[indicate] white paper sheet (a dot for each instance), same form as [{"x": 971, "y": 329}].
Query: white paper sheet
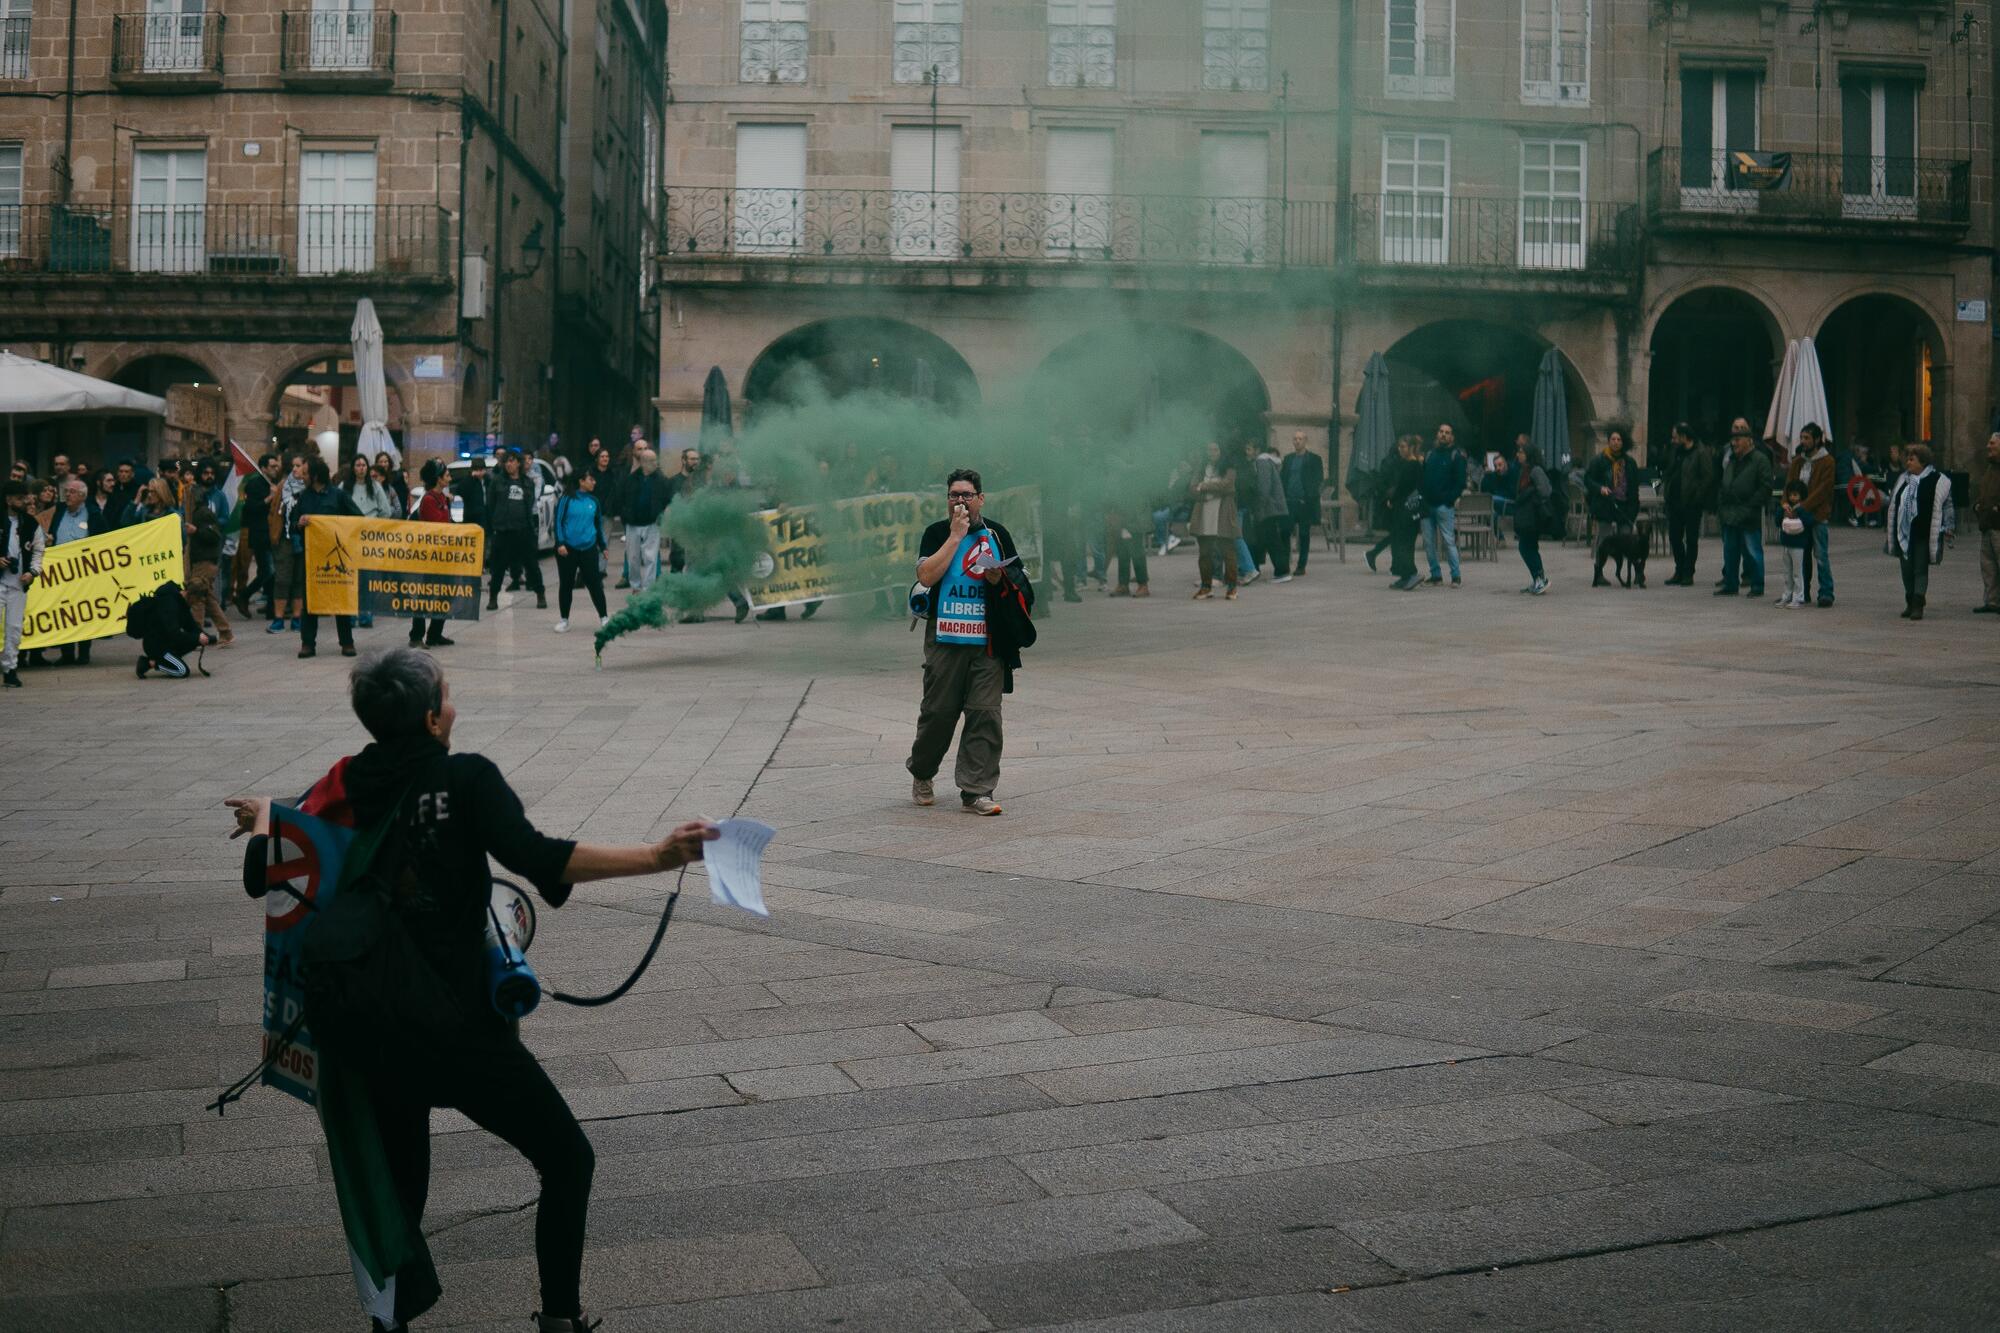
[
  {"x": 735, "y": 865},
  {"x": 983, "y": 568}
]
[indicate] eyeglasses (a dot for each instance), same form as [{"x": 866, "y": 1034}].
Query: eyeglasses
[{"x": 962, "y": 495}]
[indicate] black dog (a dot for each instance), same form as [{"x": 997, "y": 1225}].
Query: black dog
[{"x": 1627, "y": 551}]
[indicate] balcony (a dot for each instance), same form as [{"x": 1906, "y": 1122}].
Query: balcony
[
  {"x": 337, "y": 49},
  {"x": 1557, "y": 244},
  {"x": 1820, "y": 195},
  {"x": 14, "y": 48},
  {"x": 1050, "y": 231},
  {"x": 236, "y": 242},
  {"x": 169, "y": 52}
]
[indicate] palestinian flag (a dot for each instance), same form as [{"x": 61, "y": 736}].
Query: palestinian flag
[{"x": 241, "y": 465}]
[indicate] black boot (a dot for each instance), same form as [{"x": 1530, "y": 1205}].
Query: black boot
[
  {"x": 1917, "y": 609},
  {"x": 13, "y": 681},
  {"x": 493, "y": 601},
  {"x": 541, "y": 601},
  {"x": 1909, "y": 608}
]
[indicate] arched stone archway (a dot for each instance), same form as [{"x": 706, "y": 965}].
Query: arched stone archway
[
  {"x": 198, "y": 407},
  {"x": 1884, "y": 363},
  {"x": 1112, "y": 380},
  {"x": 1479, "y": 378},
  {"x": 836, "y": 358},
  {"x": 1715, "y": 352},
  {"x": 319, "y": 394}
]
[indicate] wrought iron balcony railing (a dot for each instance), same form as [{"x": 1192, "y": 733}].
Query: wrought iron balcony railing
[
  {"x": 916, "y": 226},
  {"x": 1540, "y": 235},
  {"x": 168, "y": 49},
  {"x": 286, "y": 241},
  {"x": 1855, "y": 193},
  {"x": 14, "y": 47},
  {"x": 338, "y": 46}
]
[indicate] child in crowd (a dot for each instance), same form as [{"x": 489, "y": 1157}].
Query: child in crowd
[{"x": 1795, "y": 525}]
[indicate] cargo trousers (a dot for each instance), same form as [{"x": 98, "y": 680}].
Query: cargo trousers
[{"x": 959, "y": 679}]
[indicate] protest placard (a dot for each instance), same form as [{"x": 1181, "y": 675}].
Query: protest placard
[{"x": 394, "y": 568}]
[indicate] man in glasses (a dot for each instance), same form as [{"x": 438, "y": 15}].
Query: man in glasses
[{"x": 957, "y": 560}]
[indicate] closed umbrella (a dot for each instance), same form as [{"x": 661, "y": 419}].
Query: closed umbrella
[
  {"x": 1800, "y": 397},
  {"x": 37, "y": 390},
  {"x": 717, "y": 418},
  {"x": 1549, "y": 431},
  {"x": 1374, "y": 430},
  {"x": 370, "y": 378}
]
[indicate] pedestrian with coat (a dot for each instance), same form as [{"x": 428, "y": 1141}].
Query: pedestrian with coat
[
  {"x": 1742, "y": 497},
  {"x": 1814, "y": 468},
  {"x": 320, "y": 498},
  {"x": 645, "y": 500},
  {"x": 1403, "y": 499},
  {"x": 1986, "y": 508},
  {"x": 1611, "y": 492},
  {"x": 510, "y": 508},
  {"x": 579, "y": 548},
  {"x": 1688, "y": 479},
  {"x": 1443, "y": 482},
  {"x": 1535, "y": 510},
  {"x": 1212, "y": 522},
  {"x": 1272, "y": 513},
  {"x": 1302, "y": 475},
  {"x": 22, "y": 542},
  {"x": 434, "y": 507},
  {"x": 1921, "y": 522}
]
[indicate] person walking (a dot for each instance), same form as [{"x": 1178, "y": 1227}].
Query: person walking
[
  {"x": 1274, "y": 542},
  {"x": 1742, "y": 496},
  {"x": 204, "y": 559},
  {"x": 1248, "y": 538},
  {"x": 1375, "y": 496},
  {"x": 320, "y": 497},
  {"x": 1688, "y": 478},
  {"x": 1986, "y": 508},
  {"x": 1213, "y": 524},
  {"x": 1612, "y": 493},
  {"x": 645, "y": 499},
  {"x": 434, "y": 507},
  {"x": 1443, "y": 483},
  {"x": 1921, "y": 523},
  {"x": 510, "y": 508},
  {"x": 1813, "y": 467},
  {"x": 21, "y": 544},
  {"x": 959, "y": 559},
  {"x": 1302, "y": 475},
  {"x": 1402, "y": 495},
  {"x": 579, "y": 548},
  {"x": 1535, "y": 511}
]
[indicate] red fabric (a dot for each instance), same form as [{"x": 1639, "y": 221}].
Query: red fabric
[
  {"x": 434, "y": 508},
  {"x": 328, "y": 798}
]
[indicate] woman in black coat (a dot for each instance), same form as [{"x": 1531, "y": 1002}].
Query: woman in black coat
[{"x": 1406, "y": 476}]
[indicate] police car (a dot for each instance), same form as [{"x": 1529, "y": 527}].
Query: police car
[{"x": 547, "y": 492}]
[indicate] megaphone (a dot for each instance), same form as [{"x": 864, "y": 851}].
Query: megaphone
[{"x": 510, "y": 929}]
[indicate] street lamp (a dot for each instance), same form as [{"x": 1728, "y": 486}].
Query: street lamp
[{"x": 531, "y": 255}]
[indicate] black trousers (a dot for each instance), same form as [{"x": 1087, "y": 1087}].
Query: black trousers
[
  {"x": 309, "y": 631},
  {"x": 501, "y": 1088},
  {"x": 1684, "y": 537},
  {"x": 1403, "y": 549},
  {"x": 422, "y": 628},
  {"x": 515, "y": 550},
  {"x": 579, "y": 567},
  {"x": 1275, "y": 544},
  {"x": 1302, "y": 531}
]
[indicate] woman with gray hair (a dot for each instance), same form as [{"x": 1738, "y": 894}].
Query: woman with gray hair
[{"x": 446, "y": 814}]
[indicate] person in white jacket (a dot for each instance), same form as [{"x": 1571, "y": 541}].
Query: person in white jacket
[{"x": 21, "y": 543}]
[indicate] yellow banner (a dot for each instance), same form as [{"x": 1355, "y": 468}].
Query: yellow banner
[
  {"x": 87, "y": 585},
  {"x": 870, "y": 542},
  {"x": 393, "y": 567}
]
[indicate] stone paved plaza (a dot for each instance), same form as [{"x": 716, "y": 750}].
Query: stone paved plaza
[{"x": 1344, "y": 960}]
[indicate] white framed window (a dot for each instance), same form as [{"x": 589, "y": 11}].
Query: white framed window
[
  {"x": 169, "y": 210},
  {"x": 173, "y": 36},
  {"x": 769, "y": 210},
  {"x": 1083, "y": 43},
  {"x": 1555, "y": 52},
  {"x": 1552, "y": 203},
  {"x": 1418, "y": 48},
  {"x": 1236, "y": 45},
  {"x": 342, "y": 35},
  {"x": 17, "y": 18},
  {"x": 1878, "y": 147},
  {"x": 1718, "y": 113},
  {"x": 923, "y": 199},
  {"x": 1416, "y": 198},
  {"x": 336, "y": 210},
  {"x": 1077, "y": 175},
  {"x": 774, "y": 41},
  {"x": 10, "y": 200},
  {"x": 1233, "y": 226},
  {"x": 930, "y": 34}
]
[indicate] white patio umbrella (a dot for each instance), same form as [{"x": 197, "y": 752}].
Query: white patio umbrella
[
  {"x": 1800, "y": 396},
  {"x": 37, "y": 390},
  {"x": 373, "y": 384}
]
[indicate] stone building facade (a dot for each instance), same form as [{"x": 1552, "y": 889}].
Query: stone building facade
[
  {"x": 203, "y": 196},
  {"x": 1664, "y": 192}
]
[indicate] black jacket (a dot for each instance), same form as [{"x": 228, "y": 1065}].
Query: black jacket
[
  {"x": 1307, "y": 474},
  {"x": 1688, "y": 477},
  {"x": 1597, "y": 478},
  {"x": 471, "y": 493},
  {"x": 645, "y": 499}
]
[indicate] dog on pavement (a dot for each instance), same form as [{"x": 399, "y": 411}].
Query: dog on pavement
[{"x": 1627, "y": 552}]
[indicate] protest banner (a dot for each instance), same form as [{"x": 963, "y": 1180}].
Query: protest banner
[
  {"x": 869, "y": 543},
  {"x": 395, "y": 568},
  {"x": 87, "y": 585}
]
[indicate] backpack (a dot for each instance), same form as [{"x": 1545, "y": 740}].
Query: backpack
[{"x": 162, "y": 622}]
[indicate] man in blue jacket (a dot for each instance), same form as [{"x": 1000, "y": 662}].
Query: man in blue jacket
[{"x": 1444, "y": 482}]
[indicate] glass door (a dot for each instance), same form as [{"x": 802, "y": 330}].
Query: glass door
[
  {"x": 336, "y": 211},
  {"x": 169, "y": 210}
]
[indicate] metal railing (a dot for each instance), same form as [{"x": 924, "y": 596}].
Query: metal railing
[
  {"x": 239, "y": 240},
  {"x": 167, "y": 47},
  {"x": 14, "y": 47},
  {"x": 1822, "y": 189},
  {"x": 1540, "y": 235},
  {"x": 917, "y": 225},
  {"x": 337, "y": 44}
]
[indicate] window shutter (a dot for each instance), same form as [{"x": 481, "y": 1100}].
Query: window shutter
[
  {"x": 1697, "y": 129},
  {"x": 1740, "y": 110},
  {"x": 1857, "y": 139},
  {"x": 1899, "y": 137}
]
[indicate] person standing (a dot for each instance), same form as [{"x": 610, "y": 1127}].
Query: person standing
[
  {"x": 1813, "y": 467},
  {"x": 1128, "y": 547},
  {"x": 1443, "y": 483},
  {"x": 1921, "y": 523},
  {"x": 1742, "y": 496},
  {"x": 645, "y": 501},
  {"x": 958, "y": 559},
  {"x": 1534, "y": 499},
  {"x": 21, "y": 544},
  {"x": 320, "y": 497},
  {"x": 1612, "y": 492},
  {"x": 1403, "y": 500},
  {"x": 253, "y": 507},
  {"x": 579, "y": 548},
  {"x": 1302, "y": 475},
  {"x": 370, "y": 492},
  {"x": 1687, "y": 483},
  {"x": 1249, "y": 535},
  {"x": 1274, "y": 541},
  {"x": 1986, "y": 508},
  {"x": 288, "y": 562},
  {"x": 70, "y": 522},
  {"x": 204, "y": 555},
  {"x": 1212, "y": 523},
  {"x": 1795, "y": 541},
  {"x": 434, "y": 507},
  {"x": 510, "y": 507},
  {"x": 103, "y": 503},
  {"x": 391, "y": 478}
]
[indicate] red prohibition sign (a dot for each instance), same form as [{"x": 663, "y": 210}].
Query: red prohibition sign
[
  {"x": 1864, "y": 495},
  {"x": 295, "y": 863}
]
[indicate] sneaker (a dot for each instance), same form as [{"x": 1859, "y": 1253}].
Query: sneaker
[
  {"x": 295, "y": 624},
  {"x": 226, "y": 641},
  {"x": 1541, "y": 587},
  {"x": 1530, "y": 588},
  {"x": 1229, "y": 596},
  {"x": 624, "y": 583},
  {"x": 979, "y": 805},
  {"x": 1754, "y": 593},
  {"x": 1825, "y": 600},
  {"x": 1173, "y": 543},
  {"x": 922, "y": 793},
  {"x": 1203, "y": 594},
  {"x": 1282, "y": 578},
  {"x": 1121, "y": 591},
  {"x": 562, "y": 626},
  {"x": 1141, "y": 591},
  {"x": 275, "y": 627},
  {"x": 1245, "y": 580},
  {"x": 1784, "y": 599},
  {"x": 742, "y": 613},
  {"x": 1435, "y": 579},
  {"x": 1454, "y": 580},
  {"x": 416, "y": 641}
]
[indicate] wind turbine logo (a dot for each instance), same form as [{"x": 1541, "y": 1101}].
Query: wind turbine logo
[{"x": 336, "y": 559}]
